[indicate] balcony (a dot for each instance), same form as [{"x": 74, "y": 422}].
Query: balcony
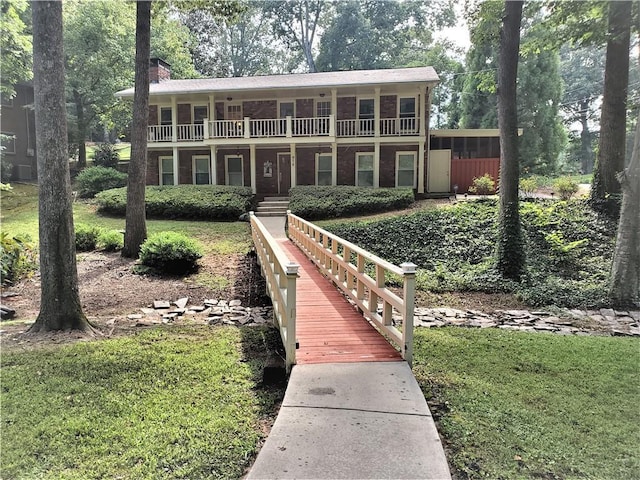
[{"x": 289, "y": 127}]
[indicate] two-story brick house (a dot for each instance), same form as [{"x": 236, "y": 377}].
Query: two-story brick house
[{"x": 272, "y": 132}]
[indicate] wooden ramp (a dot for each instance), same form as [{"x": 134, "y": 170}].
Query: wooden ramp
[{"x": 328, "y": 328}]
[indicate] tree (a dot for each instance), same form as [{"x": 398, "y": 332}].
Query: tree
[
  {"x": 98, "y": 51},
  {"x": 510, "y": 252},
  {"x": 15, "y": 61},
  {"x": 60, "y": 307},
  {"x": 611, "y": 147},
  {"x": 625, "y": 272},
  {"x": 135, "y": 218},
  {"x": 295, "y": 22},
  {"x": 582, "y": 73}
]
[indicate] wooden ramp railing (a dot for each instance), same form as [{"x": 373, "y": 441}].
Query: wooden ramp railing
[
  {"x": 280, "y": 275},
  {"x": 362, "y": 277}
]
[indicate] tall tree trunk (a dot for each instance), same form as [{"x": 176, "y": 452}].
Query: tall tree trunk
[
  {"x": 625, "y": 272},
  {"x": 510, "y": 252},
  {"x": 586, "y": 152},
  {"x": 60, "y": 307},
  {"x": 135, "y": 221},
  {"x": 82, "y": 130},
  {"x": 613, "y": 127}
]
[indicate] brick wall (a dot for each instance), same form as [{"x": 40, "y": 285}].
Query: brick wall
[
  {"x": 260, "y": 109},
  {"x": 388, "y": 105},
  {"x": 306, "y": 164},
  {"x": 346, "y": 108},
  {"x": 153, "y": 115},
  {"x": 184, "y": 113},
  {"x": 304, "y": 108},
  {"x": 246, "y": 164}
]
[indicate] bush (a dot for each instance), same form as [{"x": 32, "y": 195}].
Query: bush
[
  {"x": 86, "y": 237},
  {"x": 17, "y": 258},
  {"x": 170, "y": 252},
  {"x": 483, "y": 185},
  {"x": 93, "y": 180},
  {"x": 565, "y": 187},
  {"x": 106, "y": 155},
  {"x": 203, "y": 202},
  {"x": 528, "y": 186},
  {"x": 6, "y": 169},
  {"x": 111, "y": 240},
  {"x": 314, "y": 202}
]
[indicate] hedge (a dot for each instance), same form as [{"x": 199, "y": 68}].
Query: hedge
[
  {"x": 93, "y": 180},
  {"x": 203, "y": 202},
  {"x": 316, "y": 202}
]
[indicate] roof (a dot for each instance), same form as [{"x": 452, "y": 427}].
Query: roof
[{"x": 289, "y": 81}]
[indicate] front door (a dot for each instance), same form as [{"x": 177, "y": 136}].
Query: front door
[{"x": 284, "y": 173}]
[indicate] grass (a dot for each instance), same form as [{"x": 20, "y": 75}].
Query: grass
[
  {"x": 161, "y": 404},
  {"x": 522, "y": 405},
  {"x": 20, "y": 216},
  {"x": 123, "y": 149}
]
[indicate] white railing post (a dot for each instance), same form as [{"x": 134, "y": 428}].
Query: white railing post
[
  {"x": 247, "y": 131},
  {"x": 409, "y": 293},
  {"x": 291, "y": 273},
  {"x": 332, "y": 125},
  {"x": 289, "y": 126},
  {"x": 205, "y": 129}
]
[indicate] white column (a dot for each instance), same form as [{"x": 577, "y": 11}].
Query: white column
[
  {"x": 334, "y": 164},
  {"x": 176, "y": 169},
  {"x": 423, "y": 111},
  {"x": 212, "y": 107},
  {"x": 376, "y": 113},
  {"x": 421, "y": 166},
  {"x": 174, "y": 118},
  {"x": 214, "y": 165},
  {"x": 376, "y": 164},
  {"x": 334, "y": 110},
  {"x": 292, "y": 150},
  {"x": 252, "y": 161}
]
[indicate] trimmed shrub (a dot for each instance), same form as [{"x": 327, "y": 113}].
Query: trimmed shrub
[
  {"x": 17, "y": 257},
  {"x": 528, "y": 186},
  {"x": 565, "y": 187},
  {"x": 86, "y": 237},
  {"x": 202, "y": 202},
  {"x": 315, "y": 202},
  {"x": 111, "y": 240},
  {"x": 483, "y": 185},
  {"x": 170, "y": 252},
  {"x": 93, "y": 180},
  {"x": 106, "y": 155}
]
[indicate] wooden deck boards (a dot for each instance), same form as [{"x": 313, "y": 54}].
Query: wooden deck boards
[{"x": 328, "y": 328}]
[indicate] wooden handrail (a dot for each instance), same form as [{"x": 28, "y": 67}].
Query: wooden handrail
[
  {"x": 333, "y": 256},
  {"x": 280, "y": 275}
]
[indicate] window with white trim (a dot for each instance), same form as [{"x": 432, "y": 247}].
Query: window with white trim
[
  {"x": 324, "y": 169},
  {"x": 200, "y": 112},
  {"x": 234, "y": 111},
  {"x": 201, "y": 170},
  {"x": 323, "y": 108},
  {"x": 165, "y": 116},
  {"x": 364, "y": 169},
  {"x": 407, "y": 114},
  {"x": 287, "y": 109},
  {"x": 405, "y": 169},
  {"x": 166, "y": 170},
  {"x": 235, "y": 171}
]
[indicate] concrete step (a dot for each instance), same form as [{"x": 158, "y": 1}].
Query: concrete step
[
  {"x": 276, "y": 199},
  {"x": 271, "y": 214},
  {"x": 274, "y": 203},
  {"x": 279, "y": 211}
]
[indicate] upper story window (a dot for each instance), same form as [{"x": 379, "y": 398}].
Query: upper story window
[
  {"x": 200, "y": 112},
  {"x": 365, "y": 108},
  {"x": 407, "y": 107},
  {"x": 323, "y": 108},
  {"x": 234, "y": 111},
  {"x": 165, "y": 116},
  {"x": 287, "y": 109}
]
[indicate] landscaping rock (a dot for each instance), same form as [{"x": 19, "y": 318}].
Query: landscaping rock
[
  {"x": 181, "y": 302},
  {"x": 135, "y": 316},
  {"x": 160, "y": 304}
]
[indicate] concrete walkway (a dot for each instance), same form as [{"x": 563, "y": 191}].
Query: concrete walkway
[
  {"x": 352, "y": 421},
  {"x": 366, "y": 420}
]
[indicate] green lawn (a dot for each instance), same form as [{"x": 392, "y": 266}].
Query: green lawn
[
  {"x": 19, "y": 215},
  {"x": 524, "y": 405},
  {"x": 161, "y": 404},
  {"x": 123, "y": 149}
]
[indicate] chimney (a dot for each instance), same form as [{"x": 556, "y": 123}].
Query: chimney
[{"x": 159, "y": 70}]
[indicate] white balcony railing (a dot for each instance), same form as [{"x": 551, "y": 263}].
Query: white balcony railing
[{"x": 284, "y": 127}]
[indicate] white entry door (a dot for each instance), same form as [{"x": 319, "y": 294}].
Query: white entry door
[{"x": 439, "y": 171}]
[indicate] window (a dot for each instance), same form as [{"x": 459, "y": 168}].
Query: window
[
  {"x": 201, "y": 172},
  {"x": 287, "y": 109},
  {"x": 200, "y": 112},
  {"x": 405, "y": 169},
  {"x": 234, "y": 111},
  {"x": 235, "y": 175},
  {"x": 407, "y": 109},
  {"x": 366, "y": 114},
  {"x": 323, "y": 108},
  {"x": 165, "y": 116},
  {"x": 324, "y": 171},
  {"x": 364, "y": 169},
  {"x": 166, "y": 170}
]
